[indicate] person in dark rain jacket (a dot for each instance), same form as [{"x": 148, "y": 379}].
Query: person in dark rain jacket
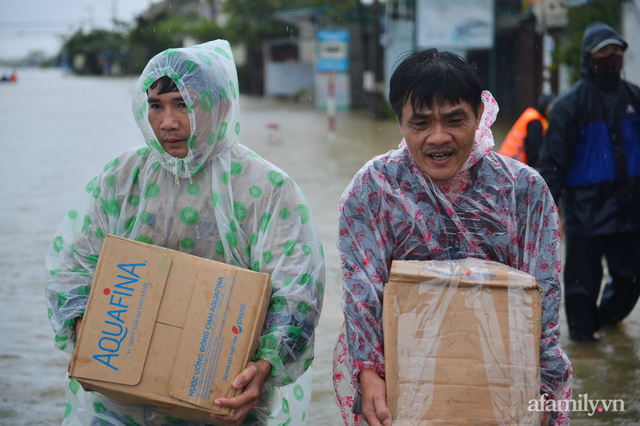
[{"x": 591, "y": 162}]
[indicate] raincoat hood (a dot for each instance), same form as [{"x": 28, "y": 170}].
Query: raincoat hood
[
  {"x": 206, "y": 77},
  {"x": 597, "y": 35}
]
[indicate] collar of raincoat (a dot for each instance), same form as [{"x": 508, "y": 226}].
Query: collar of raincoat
[
  {"x": 206, "y": 77},
  {"x": 483, "y": 141}
]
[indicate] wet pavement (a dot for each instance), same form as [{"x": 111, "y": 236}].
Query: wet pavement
[{"x": 57, "y": 132}]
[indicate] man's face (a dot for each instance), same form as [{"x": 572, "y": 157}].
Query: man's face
[
  {"x": 169, "y": 118},
  {"x": 607, "y": 61},
  {"x": 440, "y": 139}
]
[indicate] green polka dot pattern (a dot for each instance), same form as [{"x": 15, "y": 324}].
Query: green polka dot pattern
[
  {"x": 189, "y": 216},
  {"x": 144, "y": 239},
  {"x": 266, "y": 221},
  {"x": 190, "y": 66},
  {"x": 303, "y": 308},
  {"x": 214, "y": 199},
  {"x": 152, "y": 190},
  {"x": 111, "y": 164},
  {"x": 220, "y": 248},
  {"x": 204, "y": 58},
  {"x": 136, "y": 175},
  {"x": 276, "y": 178},
  {"x": 191, "y": 143},
  {"x": 186, "y": 243},
  {"x": 284, "y": 214},
  {"x": 231, "y": 239},
  {"x": 298, "y": 392},
  {"x": 99, "y": 407},
  {"x": 58, "y": 244},
  {"x": 278, "y": 303},
  {"x": 193, "y": 189},
  {"x": 91, "y": 185},
  {"x": 133, "y": 200},
  {"x": 255, "y": 191},
  {"x": 239, "y": 210},
  {"x": 222, "y": 130},
  {"x": 289, "y": 247},
  {"x": 236, "y": 168},
  {"x": 207, "y": 101},
  {"x": 304, "y": 213}
]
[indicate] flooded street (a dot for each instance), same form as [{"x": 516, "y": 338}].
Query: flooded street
[{"x": 56, "y": 134}]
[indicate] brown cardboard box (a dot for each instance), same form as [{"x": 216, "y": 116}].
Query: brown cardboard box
[
  {"x": 167, "y": 329},
  {"x": 462, "y": 343}
]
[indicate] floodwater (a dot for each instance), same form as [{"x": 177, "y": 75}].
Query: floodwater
[{"x": 57, "y": 132}]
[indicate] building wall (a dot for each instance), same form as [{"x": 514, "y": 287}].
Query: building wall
[{"x": 631, "y": 33}]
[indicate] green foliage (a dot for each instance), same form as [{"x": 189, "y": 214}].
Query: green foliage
[
  {"x": 580, "y": 17},
  {"x": 94, "y": 46},
  {"x": 250, "y": 22}
]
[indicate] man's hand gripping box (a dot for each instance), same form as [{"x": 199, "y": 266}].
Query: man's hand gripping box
[
  {"x": 462, "y": 343},
  {"x": 167, "y": 329}
]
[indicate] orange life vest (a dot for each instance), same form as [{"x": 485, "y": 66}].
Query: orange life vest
[{"x": 513, "y": 145}]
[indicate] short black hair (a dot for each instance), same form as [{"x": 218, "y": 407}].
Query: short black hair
[
  {"x": 166, "y": 85},
  {"x": 432, "y": 75}
]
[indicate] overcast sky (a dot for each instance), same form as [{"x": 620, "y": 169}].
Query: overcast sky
[{"x": 28, "y": 25}]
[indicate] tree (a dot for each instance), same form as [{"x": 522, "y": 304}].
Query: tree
[
  {"x": 252, "y": 21},
  {"x": 94, "y": 51},
  {"x": 580, "y": 17}
]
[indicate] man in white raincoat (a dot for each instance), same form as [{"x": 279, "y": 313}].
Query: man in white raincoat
[
  {"x": 442, "y": 195},
  {"x": 195, "y": 189}
]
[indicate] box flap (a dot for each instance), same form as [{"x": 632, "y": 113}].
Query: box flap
[
  {"x": 466, "y": 272},
  {"x": 218, "y": 337},
  {"x": 121, "y": 313}
]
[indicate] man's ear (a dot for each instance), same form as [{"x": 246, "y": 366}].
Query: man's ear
[{"x": 479, "y": 114}]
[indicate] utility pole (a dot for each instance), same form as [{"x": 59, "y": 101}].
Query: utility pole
[{"x": 373, "y": 78}]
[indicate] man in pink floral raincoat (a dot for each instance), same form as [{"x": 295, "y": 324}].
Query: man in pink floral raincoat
[{"x": 442, "y": 195}]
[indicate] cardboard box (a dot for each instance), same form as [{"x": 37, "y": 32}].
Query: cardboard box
[
  {"x": 167, "y": 329},
  {"x": 461, "y": 343}
]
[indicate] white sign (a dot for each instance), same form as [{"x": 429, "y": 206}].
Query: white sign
[
  {"x": 332, "y": 50},
  {"x": 455, "y": 24}
]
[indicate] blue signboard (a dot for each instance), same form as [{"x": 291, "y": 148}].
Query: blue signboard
[{"x": 333, "y": 51}]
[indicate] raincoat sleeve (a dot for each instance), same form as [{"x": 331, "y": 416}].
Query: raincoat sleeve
[
  {"x": 539, "y": 247},
  {"x": 71, "y": 262},
  {"x": 557, "y": 147},
  {"x": 363, "y": 243},
  {"x": 288, "y": 248}
]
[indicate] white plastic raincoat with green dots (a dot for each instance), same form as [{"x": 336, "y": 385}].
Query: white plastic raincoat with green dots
[{"x": 221, "y": 202}]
